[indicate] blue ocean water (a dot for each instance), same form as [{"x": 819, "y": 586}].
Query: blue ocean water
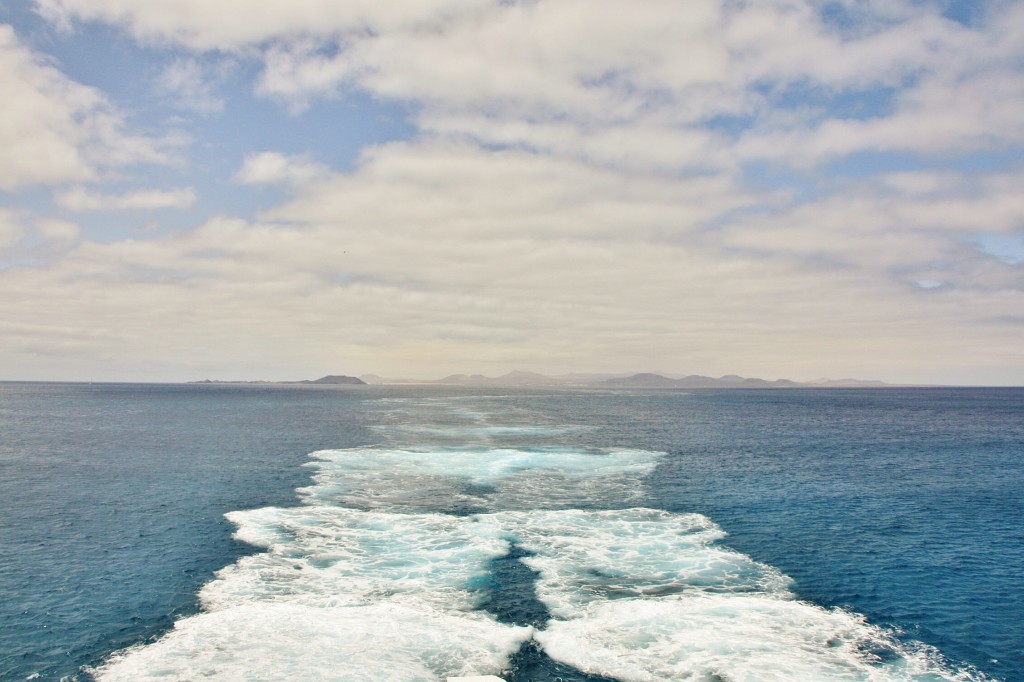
[{"x": 416, "y": 532}]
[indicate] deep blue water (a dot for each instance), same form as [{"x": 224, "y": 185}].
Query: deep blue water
[
  {"x": 112, "y": 500},
  {"x": 904, "y": 505}
]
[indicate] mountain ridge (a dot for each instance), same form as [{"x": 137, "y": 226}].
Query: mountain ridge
[
  {"x": 592, "y": 380},
  {"x": 638, "y": 380}
]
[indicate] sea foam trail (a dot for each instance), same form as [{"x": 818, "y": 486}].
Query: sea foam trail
[
  {"x": 382, "y": 573},
  {"x": 330, "y": 556},
  {"x": 633, "y": 594},
  {"x": 478, "y": 479},
  {"x": 288, "y": 641},
  {"x": 359, "y": 593},
  {"x": 339, "y": 594},
  {"x": 643, "y": 595}
]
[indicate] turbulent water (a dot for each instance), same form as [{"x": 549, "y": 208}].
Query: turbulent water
[{"x": 542, "y": 535}]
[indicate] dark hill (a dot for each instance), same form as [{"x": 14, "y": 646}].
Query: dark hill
[{"x": 336, "y": 379}]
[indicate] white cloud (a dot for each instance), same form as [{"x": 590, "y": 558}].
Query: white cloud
[
  {"x": 298, "y": 71},
  {"x": 587, "y": 59},
  {"x": 190, "y": 85},
  {"x": 783, "y": 42},
  {"x": 567, "y": 203},
  {"x": 39, "y": 113},
  {"x": 645, "y": 145},
  {"x": 585, "y": 71},
  {"x": 11, "y": 228},
  {"x": 14, "y": 226},
  {"x": 54, "y": 130},
  {"x": 58, "y": 231},
  {"x": 79, "y": 199},
  {"x": 441, "y": 257},
  {"x": 905, "y": 227},
  {"x": 234, "y": 24},
  {"x": 582, "y": 72},
  {"x": 957, "y": 90},
  {"x": 273, "y": 168},
  {"x": 937, "y": 117},
  {"x": 507, "y": 194}
]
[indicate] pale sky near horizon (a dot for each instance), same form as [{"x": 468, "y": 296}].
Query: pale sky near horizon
[{"x": 254, "y": 189}]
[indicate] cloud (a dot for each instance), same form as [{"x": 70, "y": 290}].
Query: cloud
[
  {"x": 935, "y": 118},
  {"x": 79, "y": 199},
  {"x": 450, "y": 256},
  {"x": 507, "y": 194},
  {"x": 954, "y": 90},
  {"x": 588, "y": 185},
  {"x": 297, "y": 72},
  {"x": 589, "y": 78},
  {"x": 783, "y": 42},
  {"x": 273, "y": 168},
  {"x": 58, "y": 231},
  {"x": 15, "y": 225},
  {"x": 54, "y": 130},
  {"x": 906, "y": 227},
  {"x": 190, "y": 85},
  {"x": 39, "y": 129},
  {"x": 11, "y": 229},
  {"x": 234, "y": 24},
  {"x": 645, "y": 145}
]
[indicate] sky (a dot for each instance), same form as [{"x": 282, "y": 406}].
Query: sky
[{"x": 255, "y": 189}]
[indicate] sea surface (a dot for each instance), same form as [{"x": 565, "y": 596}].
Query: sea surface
[{"x": 269, "y": 532}]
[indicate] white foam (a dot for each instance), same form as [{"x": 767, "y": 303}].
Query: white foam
[
  {"x": 330, "y": 556},
  {"x": 339, "y": 594},
  {"x": 469, "y": 434},
  {"x": 725, "y": 636},
  {"x": 284, "y": 641},
  {"x": 635, "y": 594},
  {"x": 479, "y": 479},
  {"x": 367, "y": 580},
  {"x": 583, "y": 556},
  {"x": 485, "y": 466},
  {"x": 642, "y": 594}
]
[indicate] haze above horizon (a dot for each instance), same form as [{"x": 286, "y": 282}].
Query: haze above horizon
[{"x": 787, "y": 188}]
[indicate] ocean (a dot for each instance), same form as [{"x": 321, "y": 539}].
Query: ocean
[{"x": 273, "y": 532}]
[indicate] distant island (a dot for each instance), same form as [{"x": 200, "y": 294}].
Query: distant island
[
  {"x": 642, "y": 380},
  {"x": 518, "y": 378},
  {"x": 335, "y": 379}
]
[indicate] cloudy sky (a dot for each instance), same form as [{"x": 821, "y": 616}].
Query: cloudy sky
[{"x": 248, "y": 189}]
